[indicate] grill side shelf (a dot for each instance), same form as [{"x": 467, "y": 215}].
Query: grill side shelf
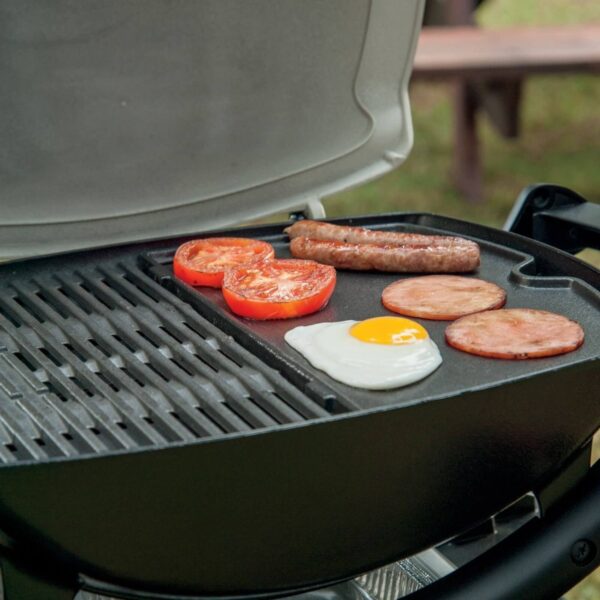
[{"x": 101, "y": 359}]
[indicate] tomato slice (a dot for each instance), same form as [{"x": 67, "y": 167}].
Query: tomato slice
[
  {"x": 203, "y": 262},
  {"x": 278, "y": 289}
]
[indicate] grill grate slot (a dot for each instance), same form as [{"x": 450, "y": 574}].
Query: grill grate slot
[
  {"x": 50, "y": 357},
  {"x": 27, "y": 307},
  {"x": 23, "y": 359},
  {"x": 56, "y": 306},
  {"x": 73, "y": 297},
  {"x": 105, "y": 359},
  {"x": 97, "y": 298},
  {"x": 9, "y": 316}
]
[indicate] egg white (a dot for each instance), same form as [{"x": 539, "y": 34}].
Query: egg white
[{"x": 330, "y": 348}]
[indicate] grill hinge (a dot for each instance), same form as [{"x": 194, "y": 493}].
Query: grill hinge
[{"x": 313, "y": 209}]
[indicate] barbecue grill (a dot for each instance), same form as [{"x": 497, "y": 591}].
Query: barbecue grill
[{"x": 154, "y": 445}]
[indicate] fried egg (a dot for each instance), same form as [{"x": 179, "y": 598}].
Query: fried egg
[{"x": 376, "y": 354}]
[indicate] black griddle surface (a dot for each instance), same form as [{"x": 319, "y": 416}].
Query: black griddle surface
[{"x": 528, "y": 280}]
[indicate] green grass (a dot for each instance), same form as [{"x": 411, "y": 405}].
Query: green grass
[
  {"x": 559, "y": 143},
  {"x": 502, "y": 13}
]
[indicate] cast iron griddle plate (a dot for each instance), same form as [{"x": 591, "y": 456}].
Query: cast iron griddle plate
[{"x": 358, "y": 296}]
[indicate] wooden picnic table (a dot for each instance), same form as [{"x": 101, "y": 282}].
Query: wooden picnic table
[
  {"x": 489, "y": 66},
  {"x": 467, "y": 51}
]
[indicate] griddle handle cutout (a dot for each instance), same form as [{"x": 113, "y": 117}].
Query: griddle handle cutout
[
  {"x": 556, "y": 216},
  {"x": 542, "y": 560},
  {"x": 20, "y": 583}
]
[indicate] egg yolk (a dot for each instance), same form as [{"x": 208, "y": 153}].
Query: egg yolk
[{"x": 388, "y": 330}]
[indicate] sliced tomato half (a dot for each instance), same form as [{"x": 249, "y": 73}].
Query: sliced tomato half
[
  {"x": 203, "y": 262},
  {"x": 278, "y": 289}
]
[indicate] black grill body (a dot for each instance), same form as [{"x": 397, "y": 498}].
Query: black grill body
[{"x": 152, "y": 440}]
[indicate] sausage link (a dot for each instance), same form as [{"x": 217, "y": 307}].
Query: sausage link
[
  {"x": 407, "y": 258},
  {"x": 359, "y": 235}
]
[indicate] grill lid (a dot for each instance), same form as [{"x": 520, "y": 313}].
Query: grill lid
[{"x": 127, "y": 121}]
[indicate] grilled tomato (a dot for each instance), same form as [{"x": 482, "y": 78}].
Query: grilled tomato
[
  {"x": 278, "y": 289},
  {"x": 203, "y": 262}
]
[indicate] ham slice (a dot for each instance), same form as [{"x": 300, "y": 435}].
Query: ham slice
[
  {"x": 442, "y": 297},
  {"x": 515, "y": 333}
]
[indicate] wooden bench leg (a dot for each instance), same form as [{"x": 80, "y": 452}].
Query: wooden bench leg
[
  {"x": 466, "y": 169},
  {"x": 500, "y": 100}
]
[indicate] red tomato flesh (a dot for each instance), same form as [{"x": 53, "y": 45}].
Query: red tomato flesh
[
  {"x": 278, "y": 289},
  {"x": 203, "y": 262}
]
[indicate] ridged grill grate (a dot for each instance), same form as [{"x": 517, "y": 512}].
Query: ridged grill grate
[{"x": 102, "y": 359}]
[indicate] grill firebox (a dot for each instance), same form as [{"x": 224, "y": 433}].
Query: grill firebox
[{"x": 125, "y": 392}]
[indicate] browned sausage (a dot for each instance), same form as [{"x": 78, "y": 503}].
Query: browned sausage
[
  {"x": 515, "y": 333},
  {"x": 385, "y": 257},
  {"x": 359, "y": 235}
]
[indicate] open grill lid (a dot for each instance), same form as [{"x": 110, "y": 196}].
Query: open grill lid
[{"x": 129, "y": 121}]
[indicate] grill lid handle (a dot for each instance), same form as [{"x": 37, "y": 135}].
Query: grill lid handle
[{"x": 556, "y": 216}]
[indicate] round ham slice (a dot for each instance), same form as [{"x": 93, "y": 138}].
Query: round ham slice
[
  {"x": 515, "y": 333},
  {"x": 442, "y": 297}
]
